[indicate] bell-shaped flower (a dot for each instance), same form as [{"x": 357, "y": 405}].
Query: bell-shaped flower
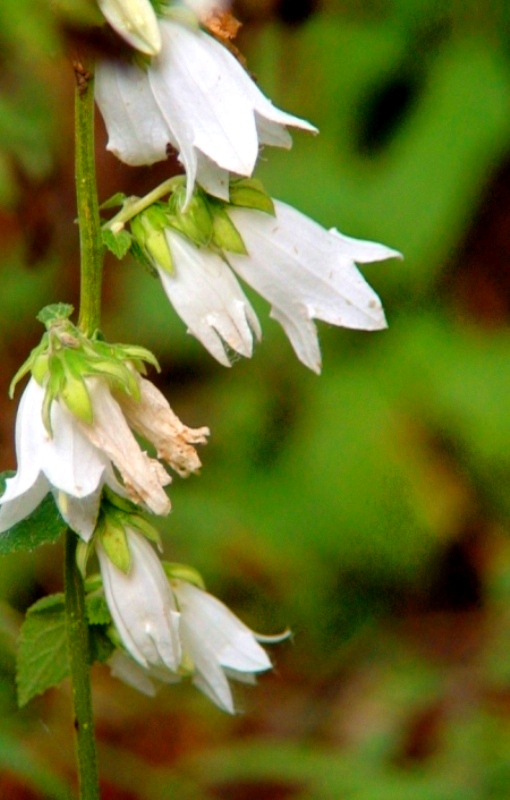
[
  {"x": 67, "y": 464},
  {"x": 135, "y": 21},
  {"x": 219, "y": 645},
  {"x": 70, "y": 434},
  {"x": 216, "y": 648},
  {"x": 195, "y": 97},
  {"x": 304, "y": 271},
  {"x": 142, "y": 605}
]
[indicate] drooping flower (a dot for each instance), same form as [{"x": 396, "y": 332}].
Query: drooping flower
[
  {"x": 75, "y": 423},
  {"x": 135, "y": 21},
  {"x": 142, "y": 604},
  {"x": 219, "y": 645},
  {"x": 304, "y": 271},
  {"x": 216, "y": 648},
  {"x": 197, "y": 98}
]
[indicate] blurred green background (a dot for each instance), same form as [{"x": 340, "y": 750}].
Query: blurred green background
[{"x": 367, "y": 509}]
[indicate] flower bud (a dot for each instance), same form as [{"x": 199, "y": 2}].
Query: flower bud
[{"x": 135, "y": 21}]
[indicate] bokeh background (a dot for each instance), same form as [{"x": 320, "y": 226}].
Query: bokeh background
[{"x": 367, "y": 509}]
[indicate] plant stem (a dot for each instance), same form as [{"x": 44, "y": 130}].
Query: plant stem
[
  {"x": 91, "y": 246},
  {"x": 91, "y": 266},
  {"x": 134, "y": 205},
  {"x": 79, "y": 657}
]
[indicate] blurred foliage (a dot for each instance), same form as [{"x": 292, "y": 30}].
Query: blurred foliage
[{"x": 367, "y": 509}]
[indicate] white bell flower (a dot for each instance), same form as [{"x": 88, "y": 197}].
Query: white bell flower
[
  {"x": 77, "y": 458},
  {"x": 67, "y": 464},
  {"x": 306, "y": 273},
  {"x": 216, "y": 648},
  {"x": 206, "y": 295},
  {"x": 142, "y": 605},
  {"x": 196, "y": 97},
  {"x": 218, "y": 643},
  {"x": 135, "y": 21},
  {"x": 303, "y": 270}
]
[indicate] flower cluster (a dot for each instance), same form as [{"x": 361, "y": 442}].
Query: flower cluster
[{"x": 88, "y": 403}]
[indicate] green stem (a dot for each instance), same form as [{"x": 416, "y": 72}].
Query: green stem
[
  {"x": 134, "y": 205},
  {"x": 91, "y": 246},
  {"x": 79, "y": 656}
]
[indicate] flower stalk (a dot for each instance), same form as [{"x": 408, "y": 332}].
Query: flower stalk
[
  {"x": 91, "y": 265},
  {"x": 91, "y": 245},
  {"x": 79, "y": 657}
]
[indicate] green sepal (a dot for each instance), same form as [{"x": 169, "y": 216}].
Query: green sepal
[
  {"x": 114, "y": 541},
  {"x": 42, "y": 658},
  {"x": 225, "y": 234},
  {"x": 141, "y": 256},
  {"x": 43, "y": 526},
  {"x": 183, "y": 572},
  {"x": 74, "y": 391},
  {"x": 83, "y": 552},
  {"x": 37, "y": 353},
  {"x": 117, "y": 199},
  {"x": 117, "y": 243},
  {"x": 40, "y": 367},
  {"x": 146, "y": 529},
  {"x": 250, "y": 193},
  {"x": 196, "y": 221},
  {"x": 148, "y": 228}
]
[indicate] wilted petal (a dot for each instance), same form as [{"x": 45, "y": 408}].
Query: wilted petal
[
  {"x": 307, "y": 273},
  {"x": 153, "y": 419},
  {"x": 207, "y": 296},
  {"x": 135, "y": 21},
  {"x": 142, "y": 605},
  {"x": 143, "y": 477}
]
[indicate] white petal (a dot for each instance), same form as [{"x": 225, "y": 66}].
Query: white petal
[
  {"x": 80, "y": 513},
  {"x": 213, "y": 179},
  {"x": 215, "y": 630},
  {"x": 153, "y": 419},
  {"x": 125, "y": 669},
  {"x": 142, "y": 605},
  {"x": 18, "y": 501},
  {"x": 143, "y": 477},
  {"x": 137, "y": 131},
  {"x": 212, "y": 682},
  {"x": 306, "y": 272},
  {"x": 135, "y": 21},
  {"x": 207, "y": 296}
]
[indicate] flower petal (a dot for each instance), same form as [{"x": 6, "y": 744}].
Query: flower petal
[
  {"x": 143, "y": 477},
  {"x": 207, "y": 296},
  {"x": 306, "y": 272},
  {"x": 142, "y": 605},
  {"x": 153, "y": 419}
]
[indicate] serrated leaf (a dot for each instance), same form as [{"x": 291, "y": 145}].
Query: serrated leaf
[
  {"x": 118, "y": 243},
  {"x": 101, "y": 647},
  {"x": 42, "y": 660},
  {"x": 98, "y": 612},
  {"x": 43, "y": 526}
]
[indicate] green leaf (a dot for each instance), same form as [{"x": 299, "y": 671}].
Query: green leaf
[
  {"x": 101, "y": 647},
  {"x": 118, "y": 243},
  {"x": 98, "y": 612},
  {"x": 42, "y": 655},
  {"x": 43, "y": 526}
]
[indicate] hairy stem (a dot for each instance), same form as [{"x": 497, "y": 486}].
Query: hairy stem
[
  {"x": 91, "y": 246},
  {"x": 79, "y": 657}
]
